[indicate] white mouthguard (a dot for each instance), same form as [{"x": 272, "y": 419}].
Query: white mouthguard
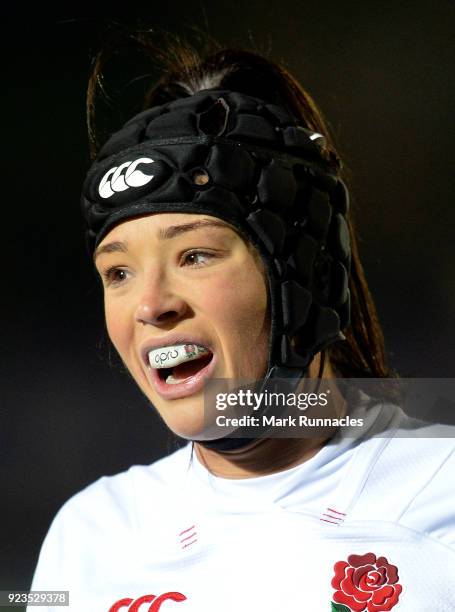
[{"x": 171, "y": 356}]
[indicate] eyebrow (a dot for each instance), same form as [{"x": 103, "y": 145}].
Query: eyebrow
[
  {"x": 110, "y": 247},
  {"x": 177, "y": 230},
  {"x": 164, "y": 234}
]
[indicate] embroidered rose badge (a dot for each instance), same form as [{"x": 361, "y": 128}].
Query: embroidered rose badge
[{"x": 365, "y": 582}]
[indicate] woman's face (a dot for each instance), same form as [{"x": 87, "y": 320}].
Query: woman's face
[{"x": 173, "y": 280}]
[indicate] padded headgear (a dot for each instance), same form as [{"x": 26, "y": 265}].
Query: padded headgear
[{"x": 235, "y": 157}]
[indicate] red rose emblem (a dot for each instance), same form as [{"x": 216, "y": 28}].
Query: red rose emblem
[{"x": 366, "y": 583}]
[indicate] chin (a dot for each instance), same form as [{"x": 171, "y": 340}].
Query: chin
[{"x": 185, "y": 417}]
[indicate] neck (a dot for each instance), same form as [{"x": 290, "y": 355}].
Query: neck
[
  {"x": 262, "y": 457},
  {"x": 265, "y": 455}
]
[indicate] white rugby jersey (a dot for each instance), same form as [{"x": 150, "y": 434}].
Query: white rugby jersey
[{"x": 365, "y": 524}]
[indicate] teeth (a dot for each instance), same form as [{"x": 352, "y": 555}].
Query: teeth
[
  {"x": 170, "y": 380},
  {"x": 171, "y": 356}
]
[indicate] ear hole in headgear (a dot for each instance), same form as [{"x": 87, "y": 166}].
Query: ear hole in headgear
[{"x": 200, "y": 177}]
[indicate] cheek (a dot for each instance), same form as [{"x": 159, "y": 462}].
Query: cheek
[
  {"x": 117, "y": 324},
  {"x": 240, "y": 305}
]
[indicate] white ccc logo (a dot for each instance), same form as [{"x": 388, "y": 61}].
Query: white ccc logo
[{"x": 124, "y": 176}]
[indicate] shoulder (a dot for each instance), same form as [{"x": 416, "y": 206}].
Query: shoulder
[
  {"x": 101, "y": 524},
  {"x": 409, "y": 477},
  {"x": 103, "y": 519},
  {"x": 113, "y": 500},
  {"x": 430, "y": 464}
]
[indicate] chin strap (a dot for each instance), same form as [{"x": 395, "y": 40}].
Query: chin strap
[{"x": 288, "y": 380}]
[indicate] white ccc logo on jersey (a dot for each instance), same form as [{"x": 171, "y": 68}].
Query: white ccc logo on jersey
[{"x": 120, "y": 178}]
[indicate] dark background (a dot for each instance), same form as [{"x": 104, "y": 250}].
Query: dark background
[{"x": 383, "y": 76}]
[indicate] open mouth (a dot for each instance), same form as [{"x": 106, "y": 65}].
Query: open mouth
[
  {"x": 184, "y": 371},
  {"x": 181, "y": 369}
]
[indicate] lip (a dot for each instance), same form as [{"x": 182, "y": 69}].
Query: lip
[{"x": 192, "y": 384}]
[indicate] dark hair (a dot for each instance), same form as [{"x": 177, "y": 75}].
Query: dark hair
[{"x": 185, "y": 71}]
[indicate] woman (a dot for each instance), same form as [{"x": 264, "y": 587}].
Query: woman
[{"x": 219, "y": 224}]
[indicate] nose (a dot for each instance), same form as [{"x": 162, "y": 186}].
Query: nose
[{"x": 160, "y": 305}]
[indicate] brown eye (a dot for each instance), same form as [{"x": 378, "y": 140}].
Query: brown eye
[
  {"x": 115, "y": 276},
  {"x": 120, "y": 275},
  {"x": 196, "y": 258}
]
